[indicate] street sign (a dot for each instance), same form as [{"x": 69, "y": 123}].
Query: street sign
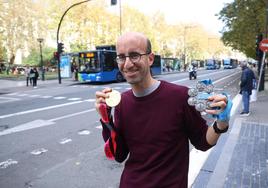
[{"x": 264, "y": 45}]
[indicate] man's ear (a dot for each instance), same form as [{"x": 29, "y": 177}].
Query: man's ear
[{"x": 151, "y": 58}]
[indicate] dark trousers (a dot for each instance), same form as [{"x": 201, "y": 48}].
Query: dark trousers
[
  {"x": 28, "y": 79},
  {"x": 34, "y": 81}
]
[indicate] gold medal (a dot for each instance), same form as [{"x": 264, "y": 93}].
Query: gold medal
[{"x": 113, "y": 99}]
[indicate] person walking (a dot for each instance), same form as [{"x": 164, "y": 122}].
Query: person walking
[
  {"x": 246, "y": 86},
  {"x": 153, "y": 122},
  {"x": 35, "y": 76},
  {"x": 28, "y": 77}
]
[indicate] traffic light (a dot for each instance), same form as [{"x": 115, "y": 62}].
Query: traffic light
[
  {"x": 259, "y": 38},
  {"x": 113, "y": 2},
  {"x": 60, "y": 48}
]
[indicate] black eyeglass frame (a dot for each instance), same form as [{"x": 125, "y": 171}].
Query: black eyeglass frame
[{"x": 121, "y": 59}]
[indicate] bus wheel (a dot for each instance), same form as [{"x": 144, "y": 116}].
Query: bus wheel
[{"x": 119, "y": 77}]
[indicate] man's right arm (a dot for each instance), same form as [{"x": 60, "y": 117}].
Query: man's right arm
[
  {"x": 117, "y": 144},
  {"x": 243, "y": 79}
]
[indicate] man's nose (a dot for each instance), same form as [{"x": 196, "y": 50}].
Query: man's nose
[{"x": 128, "y": 62}]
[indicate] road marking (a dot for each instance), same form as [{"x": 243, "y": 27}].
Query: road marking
[
  {"x": 41, "y": 123},
  {"x": 33, "y": 96},
  {"x": 39, "y": 151},
  {"x": 224, "y": 78},
  {"x": 71, "y": 115},
  {"x": 27, "y": 126},
  {"x": 10, "y": 94},
  {"x": 58, "y": 98},
  {"x": 46, "y": 97},
  {"x": 74, "y": 99},
  {"x": 7, "y": 99},
  {"x": 206, "y": 75},
  {"x": 39, "y": 109},
  {"x": 84, "y": 132},
  {"x": 22, "y": 95},
  {"x": 65, "y": 140},
  {"x": 7, "y": 163},
  {"x": 90, "y": 100}
]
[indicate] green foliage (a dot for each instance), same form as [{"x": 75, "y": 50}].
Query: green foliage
[
  {"x": 34, "y": 58},
  {"x": 3, "y": 54},
  {"x": 243, "y": 21},
  {"x": 93, "y": 23}
]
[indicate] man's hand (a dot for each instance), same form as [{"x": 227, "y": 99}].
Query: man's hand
[
  {"x": 222, "y": 109},
  {"x": 100, "y": 98},
  {"x": 217, "y": 105}
]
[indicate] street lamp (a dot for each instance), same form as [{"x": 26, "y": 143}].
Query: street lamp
[
  {"x": 120, "y": 7},
  {"x": 266, "y": 19},
  {"x": 114, "y": 2},
  {"x": 184, "y": 43},
  {"x": 40, "y": 40},
  {"x": 58, "y": 30}
]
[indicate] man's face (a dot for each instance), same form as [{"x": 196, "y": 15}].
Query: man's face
[{"x": 136, "y": 72}]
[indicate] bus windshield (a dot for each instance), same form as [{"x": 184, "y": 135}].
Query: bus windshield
[
  {"x": 89, "y": 62},
  {"x": 226, "y": 62},
  {"x": 210, "y": 62}
]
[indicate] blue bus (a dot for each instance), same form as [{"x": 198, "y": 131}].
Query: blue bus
[
  {"x": 212, "y": 64},
  {"x": 100, "y": 66},
  {"x": 230, "y": 63}
]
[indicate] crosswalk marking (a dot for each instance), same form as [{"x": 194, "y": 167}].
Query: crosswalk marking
[
  {"x": 74, "y": 99},
  {"x": 58, "y": 98},
  {"x": 90, "y": 100},
  {"x": 7, "y": 99},
  {"x": 33, "y": 96},
  {"x": 22, "y": 95},
  {"x": 45, "y": 97}
]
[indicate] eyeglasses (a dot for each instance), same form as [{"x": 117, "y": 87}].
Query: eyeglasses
[{"x": 134, "y": 57}]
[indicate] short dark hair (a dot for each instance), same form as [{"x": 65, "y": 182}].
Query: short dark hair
[{"x": 149, "y": 47}]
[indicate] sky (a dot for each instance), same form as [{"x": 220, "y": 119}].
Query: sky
[{"x": 184, "y": 11}]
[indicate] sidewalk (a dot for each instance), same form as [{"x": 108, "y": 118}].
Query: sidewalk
[
  {"x": 240, "y": 158},
  {"x": 11, "y": 85}
]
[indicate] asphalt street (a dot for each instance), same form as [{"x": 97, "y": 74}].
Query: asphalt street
[{"x": 51, "y": 136}]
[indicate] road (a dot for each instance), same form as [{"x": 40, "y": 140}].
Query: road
[{"x": 51, "y": 137}]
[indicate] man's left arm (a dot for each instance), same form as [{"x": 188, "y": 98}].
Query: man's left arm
[{"x": 221, "y": 124}]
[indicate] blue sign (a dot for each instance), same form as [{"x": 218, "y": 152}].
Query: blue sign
[{"x": 65, "y": 66}]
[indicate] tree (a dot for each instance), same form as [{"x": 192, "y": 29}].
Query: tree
[
  {"x": 243, "y": 21},
  {"x": 19, "y": 25},
  {"x": 34, "y": 58}
]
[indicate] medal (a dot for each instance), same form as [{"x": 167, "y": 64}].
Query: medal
[{"x": 113, "y": 99}]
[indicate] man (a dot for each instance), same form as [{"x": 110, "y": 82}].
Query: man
[
  {"x": 246, "y": 86},
  {"x": 153, "y": 122},
  {"x": 27, "y": 74}
]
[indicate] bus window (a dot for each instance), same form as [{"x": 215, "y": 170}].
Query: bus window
[
  {"x": 157, "y": 61},
  {"x": 109, "y": 59},
  {"x": 156, "y": 66},
  {"x": 89, "y": 62}
]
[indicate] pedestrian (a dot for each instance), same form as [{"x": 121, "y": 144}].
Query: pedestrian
[
  {"x": 153, "y": 123},
  {"x": 27, "y": 74},
  {"x": 35, "y": 76},
  {"x": 246, "y": 86}
]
